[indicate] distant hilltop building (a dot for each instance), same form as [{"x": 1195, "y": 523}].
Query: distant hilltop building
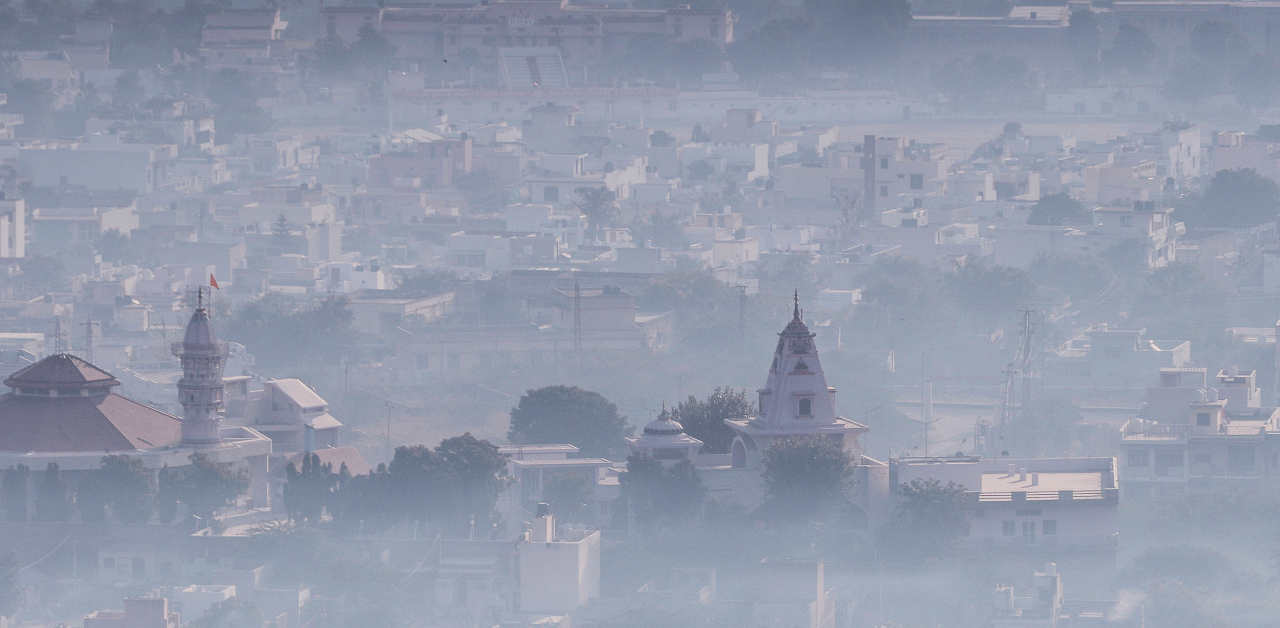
[{"x": 64, "y": 410}]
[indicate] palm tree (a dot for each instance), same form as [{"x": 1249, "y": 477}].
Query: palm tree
[{"x": 599, "y": 207}]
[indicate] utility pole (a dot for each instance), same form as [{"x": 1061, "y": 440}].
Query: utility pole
[
  {"x": 577, "y": 324},
  {"x": 88, "y": 335},
  {"x": 57, "y": 334},
  {"x": 390, "y": 407}
]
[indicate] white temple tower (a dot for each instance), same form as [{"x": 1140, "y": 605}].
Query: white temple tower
[
  {"x": 200, "y": 389},
  {"x": 795, "y": 401}
]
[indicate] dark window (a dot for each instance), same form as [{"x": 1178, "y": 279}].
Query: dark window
[
  {"x": 1049, "y": 527},
  {"x": 884, "y": 163},
  {"x": 550, "y": 194},
  {"x": 806, "y": 407},
  {"x": 1138, "y": 458},
  {"x": 917, "y": 182},
  {"x": 1008, "y": 528},
  {"x": 1202, "y": 418}
]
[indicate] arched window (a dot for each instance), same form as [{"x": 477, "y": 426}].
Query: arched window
[{"x": 806, "y": 407}]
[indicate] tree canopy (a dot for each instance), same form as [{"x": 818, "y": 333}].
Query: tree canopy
[
  {"x": 704, "y": 420},
  {"x": 1059, "y": 209},
  {"x": 1240, "y": 198},
  {"x": 930, "y": 520},
  {"x": 1132, "y": 49},
  {"x": 807, "y": 477},
  {"x": 568, "y": 414},
  {"x": 659, "y": 494}
]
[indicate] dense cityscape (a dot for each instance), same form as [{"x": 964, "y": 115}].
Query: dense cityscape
[{"x": 611, "y": 314}]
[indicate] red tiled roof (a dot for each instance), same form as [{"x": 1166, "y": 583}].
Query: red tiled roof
[
  {"x": 61, "y": 370},
  {"x": 103, "y": 423}
]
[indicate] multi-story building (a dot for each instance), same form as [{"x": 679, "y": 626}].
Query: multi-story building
[
  {"x": 1039, "y": 504},
  {"x": 1105, "y": 355},
  {"x": 1194, "y": 437}
]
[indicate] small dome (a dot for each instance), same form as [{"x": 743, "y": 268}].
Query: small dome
[{"x": 664, "y": 425}]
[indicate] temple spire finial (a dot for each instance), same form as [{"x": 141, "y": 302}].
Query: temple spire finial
[{"x": 795, "y": 314}]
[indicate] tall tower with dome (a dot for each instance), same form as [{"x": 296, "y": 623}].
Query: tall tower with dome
[
  {"x": 201, "y": 388},
  {"x": 795, "y": 401}
]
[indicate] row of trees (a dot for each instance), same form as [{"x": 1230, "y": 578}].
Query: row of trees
[
  {"x": 455, "y": 485},
  {"x": 123, "y": 487},
  {"x": 585, "y": 419}
]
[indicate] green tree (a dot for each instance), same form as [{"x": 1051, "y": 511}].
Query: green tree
[
  {"x": 692, "y": 290},
  {"x": 128, "y": 487},
  {"x": 700, "y": 170},
  {"x": 42, "y": 274},
  {"x": 1084, "y": 39},
  {"x": 33, "y": 99},
  {"x": 1059, "y": 209},
  {"x": 308, "y": 490},
  {"x": 332, "y": 56},
  {"x": 167, "y": 487},
  {"x": 1079, "y": 276},
  {"x": 472, "y": 474},
  {"x": 699, "y": 136},
  {"x": 598, "y": 205},
  {"x": 930, "y": 520},
  {"x": 568, "y": 414},
  {"x": 117, "y": 247},
  {"x": 91, "y": 497},
  {"x": 779, "y": 48},
  {"x": 281, "y": 231},
  {"x": 235, "y": 97},
  {"x": 662, "y": 231},
  {"x": 856, "y": 32},
  {"x": 569, "y": 496},
  {"x": 52, "y": 504},
  {"x": 372, "y": 52},
  {"x": 704, "y": 420},
  {"x": 807, "y": 477},
  {"x": 990, "y": 293},
  {"x": 1257, "y": 82},
  {"x": 1240, "y": 198},
  {"x": 414, "y": 472},
  {"x": 11, "y": 591},
  {"x": 691, "y": 59},
  {"x": 207, "y": 486},
  {"x": 657, "y": 494},
  {"x": 428, "y": 282},
  {"x": 1132, "y": 49},
  {"x": 983, "y": 77},
  {"x": 14, "y": 492},
  {"x": 661, "y": 138},
  {"x": 1193, "y": 81},
  {"x": 1218, "y": 43},
  {"x": 128, "y": 92}
]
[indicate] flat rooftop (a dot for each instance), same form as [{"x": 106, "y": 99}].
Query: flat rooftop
[{"x": 1069, "y": 481}]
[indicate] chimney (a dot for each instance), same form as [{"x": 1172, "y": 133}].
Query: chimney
[
  {"x": 1012, "y": 469},
  {"x": 1022, "y": 474},
  {"x": 1035, "y": 479}
]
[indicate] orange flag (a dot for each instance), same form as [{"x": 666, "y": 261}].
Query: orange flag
[{"x": 213, "y": 281}]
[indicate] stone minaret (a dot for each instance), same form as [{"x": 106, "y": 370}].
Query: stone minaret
[{"x": 200, "y": 389}]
